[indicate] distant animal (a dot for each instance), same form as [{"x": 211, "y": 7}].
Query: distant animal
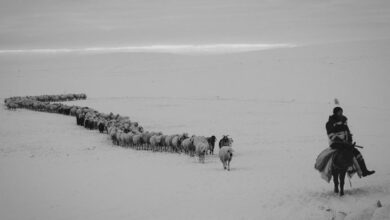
[
  {"x": 156, "y": 142},
  {"x": 80, "y": 119},
  {"x": 168, "y": 141},
  {"x": 188, "y": 146},
  {"x": 137, "y": 141},
  {"x": 119, "y": 137},
  {"x": 127, "y": 139},
  {"x": 211, "y": 141},
  {"x": 112, "y": 132},
  {"x": 101, "y": 126},
  {"x": 12, "y": 106},
  {"x": 226, "y": 155},
  {"x": 201, "y": 146},
  {"x": 342, "y": 160},
  {"x": 176, "y": 142},
  {"x": 225, "y": 141}
]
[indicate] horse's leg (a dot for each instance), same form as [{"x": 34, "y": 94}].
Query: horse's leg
[
  {"x": 342, "y": 178},
  {"x": 336, "y": 182}
]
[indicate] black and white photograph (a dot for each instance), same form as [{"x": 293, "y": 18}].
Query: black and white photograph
[{"x": 194, "y": 109}]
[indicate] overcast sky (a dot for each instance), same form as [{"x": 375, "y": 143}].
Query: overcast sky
[{"x": 98, "y": 23}]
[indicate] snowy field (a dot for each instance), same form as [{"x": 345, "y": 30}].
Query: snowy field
[
  {"x": 274, "y": 104},
  {"x": 53, "y": 169}
]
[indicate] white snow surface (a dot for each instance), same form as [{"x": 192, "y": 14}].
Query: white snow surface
[{"x": 52, "y": 169}]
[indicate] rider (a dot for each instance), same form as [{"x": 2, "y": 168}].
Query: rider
[{"x": 340, "y": 137}]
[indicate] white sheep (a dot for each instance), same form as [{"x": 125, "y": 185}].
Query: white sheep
[
  {"x": 155, "y": 141},
  {"x": 127, "y": 139},
  {"x": 137, "y": 141},
  {"x": 188, "y": 146},
  {"x": 201, "y": 146},
  {"x": 176, "y": 142},
  {"x": 226, "y": 155},
  {"x": 168, "y": 141}
]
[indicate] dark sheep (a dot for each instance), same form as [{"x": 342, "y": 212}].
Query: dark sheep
[
  {"x": 102, "y": 127},
  {"x": 225, "y": 141},
  {"x": 211, "y": 141}
]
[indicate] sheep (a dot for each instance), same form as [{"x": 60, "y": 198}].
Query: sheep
[
  {"x": 88, "y": 123},
  {"x": 12, "y": 106},
  {"x": 102, "y": 126},
  {"x": 80, "y": 119},
  {"x": 172, "y": 145},
  {"x": 94, "y": 123},
  {"x": 163, "y": 138},
  {"x": 134, "y": 127},
  {"x": 200, "y": 151},
  {"x": 118, "y": 136},
  {"x": 73, "y": 111},
  {"x": 211, "y": 141},
  {"x": 126, "y": 127},
  {"x": 168, "y": 140},
  {"x": 156, "y": 141},
  {"x": 79, "y": 111},
  {"x": 123, "y": 139},
  {"x": 127, "y": 139},
  {"x": 188, "y": 146},
  {"x": 120, "y": 129},
  {"x": 137, "y": 140},
  {"x": 41, "y": 103},
  {"x": 145, "y": 137},
  {"x": 226, "y": 155},
  {"x": 112, "y": 131},
  {"x": 176, "y": 142},
  {"x": 151, "y": 134},
  {"x": 225, "y": 141},
  {"x": 201, "y": 147}
]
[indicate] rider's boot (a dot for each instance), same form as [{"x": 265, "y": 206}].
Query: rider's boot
[{"x": 365, "y": 171}]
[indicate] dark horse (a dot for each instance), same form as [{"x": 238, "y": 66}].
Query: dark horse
[{"x": 342, "y": 159}]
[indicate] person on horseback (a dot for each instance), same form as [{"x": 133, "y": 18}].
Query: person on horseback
[{"x": 340, "y": 137}]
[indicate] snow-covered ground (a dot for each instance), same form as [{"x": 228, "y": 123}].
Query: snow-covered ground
[
  {"x": 273, "y": 103},
  {"x": 52, "y": 169}
]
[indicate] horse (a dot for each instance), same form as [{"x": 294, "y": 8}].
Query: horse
[{"x": 342, "y": 160}]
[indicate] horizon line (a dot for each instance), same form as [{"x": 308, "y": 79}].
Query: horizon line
[{"x": 158, "y": 48}]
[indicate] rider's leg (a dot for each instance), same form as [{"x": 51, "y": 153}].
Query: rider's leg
[{"x": 362, "y": 164}]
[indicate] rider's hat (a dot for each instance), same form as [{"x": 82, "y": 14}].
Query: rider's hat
[{"x": 337, "y": 109}]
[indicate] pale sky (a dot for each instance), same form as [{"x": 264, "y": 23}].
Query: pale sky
[{"x": 43, "y": 24}]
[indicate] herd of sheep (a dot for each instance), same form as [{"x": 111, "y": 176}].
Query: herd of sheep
[{"x": 124, "y": 132}]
